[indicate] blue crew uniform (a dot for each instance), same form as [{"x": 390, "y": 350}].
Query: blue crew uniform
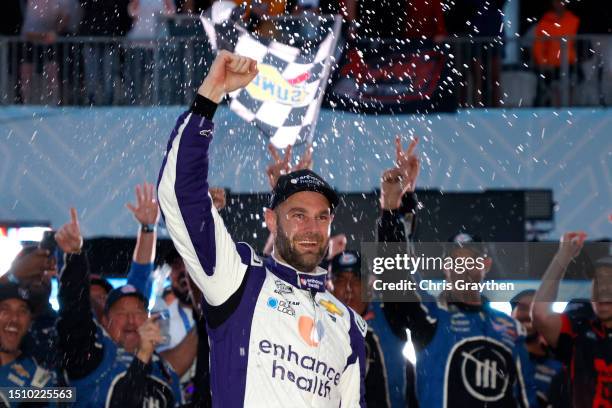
[
  {"x": 103, "y": 373},
  {"x": 24, "y": 372},
  {"x": 467, "y": 356}
]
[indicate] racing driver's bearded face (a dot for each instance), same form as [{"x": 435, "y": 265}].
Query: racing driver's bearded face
[{"x": 301, "y": 226}]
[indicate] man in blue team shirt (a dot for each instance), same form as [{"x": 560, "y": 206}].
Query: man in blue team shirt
[
  {"x": 547, "y": 370},
  {"x": 115, "y": 365},
  {"x": 468, "y": 354},
  {"x": 16, "y": 368}
]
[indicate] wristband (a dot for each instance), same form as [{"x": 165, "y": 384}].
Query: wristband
[{"x": 147, "y": 228}]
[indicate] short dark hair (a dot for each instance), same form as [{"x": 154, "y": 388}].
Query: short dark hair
[
  {"x": 515, "y": 300},
  {"x": 167, "y": 291},
  {"x": 100, "y": 281}
]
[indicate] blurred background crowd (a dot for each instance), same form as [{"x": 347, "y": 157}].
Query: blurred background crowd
[{"x": 505, "y": 53}]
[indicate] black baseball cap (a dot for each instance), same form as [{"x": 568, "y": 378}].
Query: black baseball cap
[
  {"x": 120, "y": 293},
  {"x": 14, "y": 291},
  {"x": 580, "y": 308},
  {"x": 302, "y": 180},
  {"x": 347, "y": 261},
  {"x": 515, "y": 299}
]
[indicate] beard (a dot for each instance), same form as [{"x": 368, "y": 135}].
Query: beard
[
  {"x": 302, "y": 262},
  {"x": 182, "y": 295}
]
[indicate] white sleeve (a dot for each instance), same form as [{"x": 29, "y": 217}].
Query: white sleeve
[{"x": 198, "y": 232}]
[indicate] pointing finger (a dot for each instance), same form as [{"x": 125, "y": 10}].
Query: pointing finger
[{"x": 74, "y": 217}]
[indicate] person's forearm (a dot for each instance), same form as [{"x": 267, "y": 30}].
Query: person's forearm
[
  {"x": 212, "y": 92},
  {"x": 390, "y": 227},
  {"x": 144, "y": 252},
  {"x": 181, "y": 357},
  {"x": 198, "y": 232},
  {"x": 75, "y": 326},
  {"x": 139, "y": 277},
  {"x": 549, "y": 287},
  {"x": 73, "y": 294}
]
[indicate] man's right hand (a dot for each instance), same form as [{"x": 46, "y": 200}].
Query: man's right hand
[
  {"x": 68, "y": 237},
  {"x": 400, "y": 179},
  {"x": 227, "y": 73},
  {"x": 279, "y": 166},
  {"x": 150, "y": 337}
]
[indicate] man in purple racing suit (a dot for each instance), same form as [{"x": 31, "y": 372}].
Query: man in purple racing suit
[{"x": 277, "y": 336}]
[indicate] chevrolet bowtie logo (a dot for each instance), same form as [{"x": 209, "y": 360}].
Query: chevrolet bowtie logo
[{"x": 331, "y": 307}]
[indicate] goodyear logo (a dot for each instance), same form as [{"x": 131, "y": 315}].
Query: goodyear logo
[{"x": 270, "y": 86}]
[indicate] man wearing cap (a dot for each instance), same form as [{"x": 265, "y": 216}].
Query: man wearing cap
[
  {"x": 547, "y": 370},
  {"x": 582, "y": 342},
  {"x": 114, "y": 365},
  {"x": 468, "y": 354},
  {"x": 33, "y": 269},
  {"x": 277, "y": 336},
  {"x": 16, "y": 368},
  {"x": 346, "y": 285}
]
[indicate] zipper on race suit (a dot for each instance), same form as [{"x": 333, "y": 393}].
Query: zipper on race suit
[
  {"x": 314, "y": 308},
  {"x": 318, "y": 339}
]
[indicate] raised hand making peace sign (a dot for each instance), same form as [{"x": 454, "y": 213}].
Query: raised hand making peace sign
[
  {"x": 400, "y": 179},
  {"x": 283, "y": 166}
]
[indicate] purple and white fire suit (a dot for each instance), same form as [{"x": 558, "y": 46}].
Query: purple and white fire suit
[{"x": 277, "y": 336}]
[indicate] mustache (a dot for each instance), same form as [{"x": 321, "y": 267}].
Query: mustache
[{"x": 309, "y": 237}]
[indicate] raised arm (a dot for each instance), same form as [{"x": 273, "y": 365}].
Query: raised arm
[
  {"x": 146, "y": 212},
  {"x": 211, "y": 257},
  {"x": 182, "y": 355},
  {"x": 75, "y": 327},
  {"x": 397, "y": 185},
  {"x": 547, "y": 322}
]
